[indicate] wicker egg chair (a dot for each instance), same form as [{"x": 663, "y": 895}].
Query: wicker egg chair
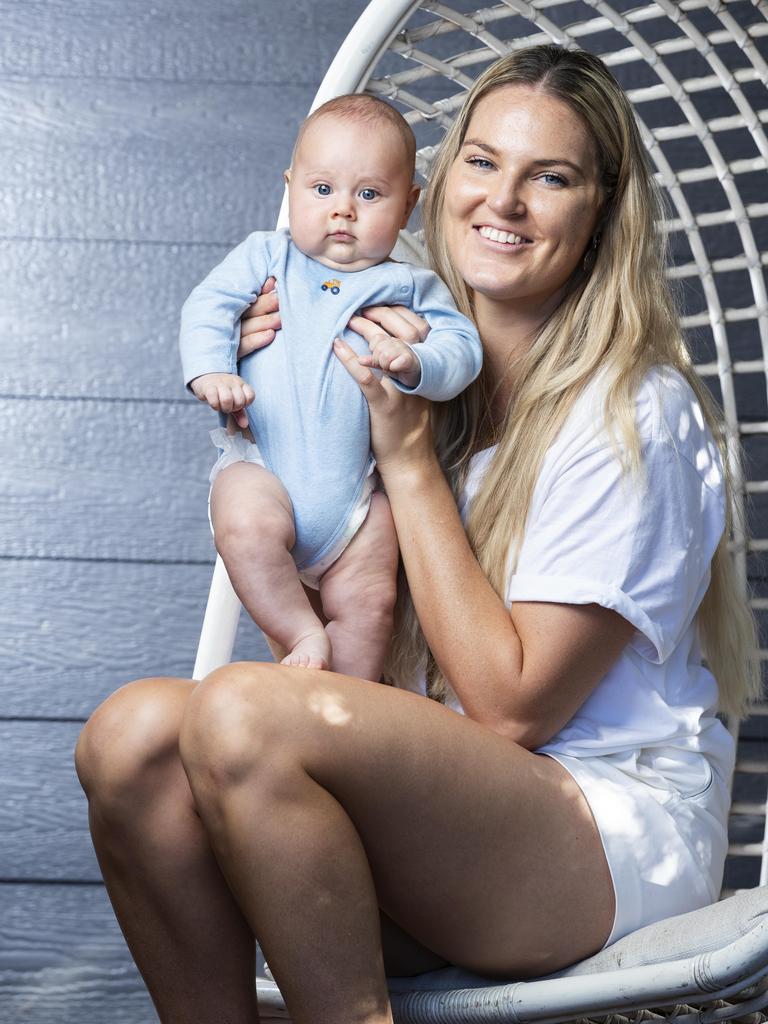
[{"x": 694, "y": 72}]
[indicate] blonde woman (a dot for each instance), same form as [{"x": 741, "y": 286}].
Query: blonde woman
[{"x": 356, "y": 828}]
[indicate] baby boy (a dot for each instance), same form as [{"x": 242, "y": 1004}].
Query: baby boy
[{"x": 293, "y": 497}]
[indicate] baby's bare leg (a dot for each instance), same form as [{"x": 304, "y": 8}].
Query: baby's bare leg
[
  {"x": 358, "y": 594},
  {"x": 254, "y": 532}
]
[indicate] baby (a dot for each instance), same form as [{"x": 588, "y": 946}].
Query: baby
[{"x": 293, "y": 497}]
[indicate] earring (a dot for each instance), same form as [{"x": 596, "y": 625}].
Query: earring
[{"x": 590, "y": 257}]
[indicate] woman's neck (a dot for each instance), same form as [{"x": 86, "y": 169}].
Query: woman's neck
[{"x": 507, "y": 335}]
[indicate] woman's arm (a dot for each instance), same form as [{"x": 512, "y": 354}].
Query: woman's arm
[{"x": 523, "y": 672}]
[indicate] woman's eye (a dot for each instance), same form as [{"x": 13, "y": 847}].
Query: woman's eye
[
  {"x": 323, "y": 189},
  {"x": 368, "y": 194},
  {"x": 480, "y": 162},
  {"x": 553, "y": 179}
]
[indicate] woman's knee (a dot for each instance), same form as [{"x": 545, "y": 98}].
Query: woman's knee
[
  {"x": 229, "y": 722},
  {"x": 132, "y": 733}
]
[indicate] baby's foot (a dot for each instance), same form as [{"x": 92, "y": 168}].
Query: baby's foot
[{"x": 311, "y": 651}]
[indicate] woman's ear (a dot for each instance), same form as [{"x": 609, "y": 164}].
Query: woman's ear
[{"x": 410, "y": 203}]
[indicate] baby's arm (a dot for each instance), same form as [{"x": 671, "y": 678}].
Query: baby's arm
[
  {"x": 451, "y": 355},
  {"x": 396, "y": 358},
  {"x": 209, "y": 334},
  {"x": 224, "y": 392}
]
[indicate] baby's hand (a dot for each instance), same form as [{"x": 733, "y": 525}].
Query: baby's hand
[
  {"x": 395, "y": 357},
  {"x": 225, "y": 392}
]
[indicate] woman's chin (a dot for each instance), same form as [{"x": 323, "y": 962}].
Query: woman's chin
[{"x": 495, "y": 291}]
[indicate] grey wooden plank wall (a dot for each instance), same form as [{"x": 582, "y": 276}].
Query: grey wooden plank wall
[{"x": 138, "y": 142}]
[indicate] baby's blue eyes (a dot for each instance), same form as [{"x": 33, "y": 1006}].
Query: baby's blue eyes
[{"x": 367, "y": 194}]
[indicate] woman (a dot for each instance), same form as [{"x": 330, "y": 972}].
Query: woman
[{"x": 352, "y": 826}]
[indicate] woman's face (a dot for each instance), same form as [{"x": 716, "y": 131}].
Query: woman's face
[{"x": 522, "y": 199}]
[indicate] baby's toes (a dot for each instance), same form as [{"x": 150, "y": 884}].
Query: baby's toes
[{"x": 296, "y": 660}]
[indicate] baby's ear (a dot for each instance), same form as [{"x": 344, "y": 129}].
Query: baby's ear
[
  {"x": 410, "y": 203},
  {"x": 287, "y": 175}
]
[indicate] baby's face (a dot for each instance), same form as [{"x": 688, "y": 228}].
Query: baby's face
[{"x": 350, "y": 191}]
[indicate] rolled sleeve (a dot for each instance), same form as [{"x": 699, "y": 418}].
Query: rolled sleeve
[
  {"x": 451, "y": 356},
  {"x": 209, "y": 334},
  {"x": 639, "y": 546}
]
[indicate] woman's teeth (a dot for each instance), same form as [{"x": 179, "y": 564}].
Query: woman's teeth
[{"x": 500, "y": 236}]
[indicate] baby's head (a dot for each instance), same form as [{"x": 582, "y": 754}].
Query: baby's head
[{"x": 350, "y": 184}]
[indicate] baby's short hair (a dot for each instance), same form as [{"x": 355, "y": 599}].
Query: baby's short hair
[{"x": 364, "y": 109}]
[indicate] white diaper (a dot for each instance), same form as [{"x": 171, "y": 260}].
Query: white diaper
[
  {"x": 237, "y": 448},
  {"x": 233, "y": 448}
]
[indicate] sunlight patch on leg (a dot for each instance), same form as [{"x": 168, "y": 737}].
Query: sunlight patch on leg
[{"x": 330, "y": 707}]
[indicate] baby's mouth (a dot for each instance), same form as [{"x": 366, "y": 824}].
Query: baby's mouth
[{"x": 505, "y": 237}]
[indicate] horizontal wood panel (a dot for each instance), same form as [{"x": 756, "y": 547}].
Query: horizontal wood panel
[
  {"x": 43, "y": 813},
  {"x": 72, "y": 632},
  {"x": 146, "y": 161},
  {"x": 269, "y": 41},
  {"x": 97, "y": 319},
  {"x": 91, "y": 479},
  {"x": 63, "y": 959}
]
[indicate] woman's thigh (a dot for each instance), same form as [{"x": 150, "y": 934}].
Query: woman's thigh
[
  {"x": 129, "y": 750},
  {"x": 486, "y": 853}
]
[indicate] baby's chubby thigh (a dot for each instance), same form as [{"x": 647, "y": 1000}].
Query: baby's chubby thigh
[
  {"x": 358, "y": 594},
  {"x": 365, "y": 574},
  {"x": 250, "y": 509}
]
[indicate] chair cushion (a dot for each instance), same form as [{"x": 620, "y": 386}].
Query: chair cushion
[{"x": 677, "y": 938}]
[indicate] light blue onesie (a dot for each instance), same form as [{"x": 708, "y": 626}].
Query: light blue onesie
[{"x": 309, "y": 418}]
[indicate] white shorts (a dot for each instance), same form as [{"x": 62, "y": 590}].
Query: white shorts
[
  {"x": 662, "y": 817},
  {"x": 237, "y": 448}
]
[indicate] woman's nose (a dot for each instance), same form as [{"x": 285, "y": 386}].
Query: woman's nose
[{"x": 507, "y": 199}]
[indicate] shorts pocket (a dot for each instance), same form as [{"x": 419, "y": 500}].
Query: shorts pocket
[
  {"x": 687, "y": 773},
  {"x": 704, "y": 788}
]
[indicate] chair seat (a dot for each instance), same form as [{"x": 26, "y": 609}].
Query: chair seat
[{"x": 716, "y": 953}]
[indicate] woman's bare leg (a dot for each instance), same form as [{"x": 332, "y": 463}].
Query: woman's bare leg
[
  {"x": 190, "y": 942},
  {"x": 254, "y": 532},
  {"x": 358, "y": 594},
  {"x": 325, "y": 796}
]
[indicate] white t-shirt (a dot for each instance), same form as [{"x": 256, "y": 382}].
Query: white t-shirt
[{"x": 642, "y": 548}]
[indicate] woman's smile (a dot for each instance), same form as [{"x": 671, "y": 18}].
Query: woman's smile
[{"x": 509, "y": 241}]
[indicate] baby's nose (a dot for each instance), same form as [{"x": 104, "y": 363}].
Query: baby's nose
[{"x": 344, "y": 207}]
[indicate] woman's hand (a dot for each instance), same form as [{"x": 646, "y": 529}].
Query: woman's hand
[
  {"x": 391, "y": 333},
  {"x": 260, "y": 321},
  {"x": 398, "y": 322},
  {"x": 401, "y": 435}
]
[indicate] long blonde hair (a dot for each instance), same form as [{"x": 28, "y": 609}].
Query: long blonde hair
[{"x": 618, "y": 317}]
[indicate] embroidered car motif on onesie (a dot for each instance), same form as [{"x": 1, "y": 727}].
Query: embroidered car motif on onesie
[{"x": 334, "y": 285}]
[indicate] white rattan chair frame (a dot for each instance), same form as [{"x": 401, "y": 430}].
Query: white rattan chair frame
[{"x": 423, "y": 56}]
